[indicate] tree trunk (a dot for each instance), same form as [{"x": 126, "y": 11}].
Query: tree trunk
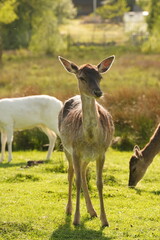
[{"x": 1, "y": 50}]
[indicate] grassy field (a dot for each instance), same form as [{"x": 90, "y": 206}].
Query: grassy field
[
  {"x": 22, "y": 74},
  {"x": 33, "y": 200},
  {"x": 83, "y": 30}
]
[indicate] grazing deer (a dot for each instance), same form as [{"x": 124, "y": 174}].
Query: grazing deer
[
  {"x": 86, "y": 131},
  {"x": 141, "y": 159}
]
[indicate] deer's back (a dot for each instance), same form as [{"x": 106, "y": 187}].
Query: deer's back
[{"x": 31, "y": 111}]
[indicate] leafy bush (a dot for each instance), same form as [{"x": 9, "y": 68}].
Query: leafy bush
[
  {"x": 33, "y": 139},
  {"x": 135, "y": 113}
]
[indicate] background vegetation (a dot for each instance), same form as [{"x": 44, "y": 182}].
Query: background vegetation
[{"x": 131, "y": 89}]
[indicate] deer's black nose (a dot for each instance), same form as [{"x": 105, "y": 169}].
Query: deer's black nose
[{"x": 97, "y": 93}]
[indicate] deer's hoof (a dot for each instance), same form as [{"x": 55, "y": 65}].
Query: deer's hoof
[
  {"x": 105, "y": 224},
  {"x": 93, "y": 214},
  {"x": 76, "y": 222},
  {"x": 69, "y": 210}
]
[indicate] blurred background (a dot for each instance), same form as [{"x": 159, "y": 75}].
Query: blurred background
[{"x": 33, "y": 33}]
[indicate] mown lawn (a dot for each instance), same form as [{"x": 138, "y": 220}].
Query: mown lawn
[{"x": 33, "y": 200}]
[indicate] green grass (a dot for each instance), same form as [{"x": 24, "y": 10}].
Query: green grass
[{"x": 33, "y": 200}]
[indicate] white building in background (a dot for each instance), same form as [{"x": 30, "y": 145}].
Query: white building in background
[{"x": 135, "y": 21}]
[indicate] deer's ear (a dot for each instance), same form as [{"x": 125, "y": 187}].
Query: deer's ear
[
  {"x": 105, "y": 64},
  {"x": 69, "y": 66},
  {"x": 137, "y": 152}
]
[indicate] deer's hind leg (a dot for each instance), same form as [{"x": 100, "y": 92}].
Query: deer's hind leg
[
  {"x": 99, "y": 168},
  {"x": 3, "y": 144},
  {"x": 52, "y": 139},
  {"x": 89, "y": 205},
  {"x": 70, "y": 180}
]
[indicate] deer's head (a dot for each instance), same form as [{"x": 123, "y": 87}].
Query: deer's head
[
  {"x": 137, "y": 167},
  {"x": 89, "y": 76}
]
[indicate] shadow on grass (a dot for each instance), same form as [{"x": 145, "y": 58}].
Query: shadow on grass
[
  {"x": 140, "y": 191},
  {"x": 156, "y": 192},
  {"x": 9, "y": 165},
  {"x": 67, "y": 231},
  {"x": 13, "y": 230},
  {"x": 23, "y": 164}
]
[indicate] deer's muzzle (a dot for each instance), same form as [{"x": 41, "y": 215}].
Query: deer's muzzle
[{"x": 98, "y": 93}]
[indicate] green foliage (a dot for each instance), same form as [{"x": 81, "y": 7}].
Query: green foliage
[
  {"x": 152, "y": 44},
  {"x": 37, "y": 25},
  {"x": 113, "y": 10},
  {"x": 33, "y": 201},
  {"x": 30, "y": 139},
  {"x": 7, "y": 11},
  {"x": 126, "y": 142},
  {"x": 64, "y": 10},
  {"x": 46, "y": 37},
  {"x": 130, "y": 4},
  {"x": 144, "y": 4},
  {"x": 154, "y": 15},
  {"x": 18, "y": 33},
  {"x": 7, "y": 15},
  {"x": 33, "y": 139}
]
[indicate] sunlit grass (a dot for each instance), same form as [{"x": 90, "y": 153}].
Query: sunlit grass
[
  {"x": 81, "y": 31},
  {"x": 33, "y": 200},
  {"x": 45, "y": 75}
]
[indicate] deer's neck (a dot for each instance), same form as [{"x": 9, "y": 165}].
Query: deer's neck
[
  {"x": 89, "y": 116},
  {"x": 153, "y": 147}
]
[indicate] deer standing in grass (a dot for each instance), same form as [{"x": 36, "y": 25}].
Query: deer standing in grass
[
  {"x": 141, "y": 159},
  {"x": 25, "y": 113},
  {"x": 86, "y": 131}
]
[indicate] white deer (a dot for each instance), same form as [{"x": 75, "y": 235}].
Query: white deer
[
  {"x": 86, "y": 131},
  {"x": 25, "y": 113}
]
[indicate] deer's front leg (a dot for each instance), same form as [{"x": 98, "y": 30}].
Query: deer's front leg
[
  {"x": 70, "y": 180},
  {"x": 77, "y": 169},
  {"x": 99, "y": 168}
]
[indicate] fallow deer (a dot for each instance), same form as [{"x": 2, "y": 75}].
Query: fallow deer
[
  {"x": 141, "y": 159},
  {"x": 25, "y": 113},
  {"x": 86, "y": 131}
]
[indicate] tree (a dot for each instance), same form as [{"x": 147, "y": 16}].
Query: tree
[
  {"x": 131, "y": 4},
  {"x": 45, "y": 34},
  {"x": 153, "y": 44},
  {"x": 113, "y": 9},
  {"x": 7, "y": 15},
  {"x": 37, "y": 24},
  {"x": 144, "y": 4},
  {"x": 153, "y": 18}
]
